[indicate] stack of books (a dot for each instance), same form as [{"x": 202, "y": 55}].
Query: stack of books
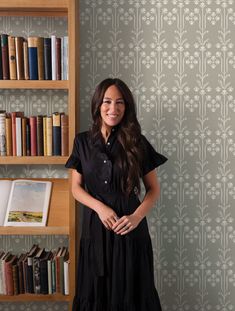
[
  {"x": 33, "y": 58},
  {"x": 38, "y": 271},
  {"x": 34, "y": 135}
]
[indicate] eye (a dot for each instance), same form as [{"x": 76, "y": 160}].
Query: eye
[
  {"x": 120, "y": 102},
  {"x": 107, "y": 101}
]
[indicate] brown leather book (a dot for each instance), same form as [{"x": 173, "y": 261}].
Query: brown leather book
[
  {"x": 39, "y": 135},
  {"x": 9, "y": 274},
  {"x": 58, "y": 58},
  {"x": 19, "y": 58},
  {"x": 12, "y": 57},
  {"x": 21, "y": 273},
  {"x": 64, "y": 135},
  {"x": 15, "y": 273},
  {"x": 26, "y": 60},
  {"x": 5, "y": 58},
  {"x": 40, "y": 49},
  {"x": 24, "y": 141},
  {"x": 8, "y": 135},
  {"x": 33, "y": 135}
]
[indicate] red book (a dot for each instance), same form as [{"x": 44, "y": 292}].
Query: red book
[{"x": 33, "y": 135}]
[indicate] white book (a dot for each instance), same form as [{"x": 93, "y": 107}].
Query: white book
[
  {"x": 18, "y": 137},
  {"x": 66, "y": 277},
  {"x": 53, "y": 57},
  {"x": 26, "y": 202},
  {"x": 64, "y": 57},
  {"x": 49, "y": 272},
  {"x": 3, "y": 133}
]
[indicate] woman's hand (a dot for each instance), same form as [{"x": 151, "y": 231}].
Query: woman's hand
[
  {"x": 107, "y": 216},
  {"x": 126, "y": 223}
]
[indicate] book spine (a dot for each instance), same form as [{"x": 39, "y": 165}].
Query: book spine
[
  {"x": 18, "y": 137},
  {"x": 33, "y": 58},
  {"x": 66, "y": 277},
  {"x": 47, "y": 58},
  {"x": 58, "y": 58},
  {"x": 24, "y": 123},
  {"x": 65, "y": 58},
  {"x": 49, "y": 135},
  {"x": 53, "y": 57},
  {"x": 43, "y": 277},
  {"x": 5, "y": 58},
  {"x": 8, "y": 136},
  {"x": 39, "y": 135},
  {"x": 28, "y": 139},
  {"x": 15, "y": 273},
  {"x": 13, "y": 123},
  {"x": 29, "y": 274},
  {"x": 33, "y": 135},
  {"x": 56, "y": 134},
  {"x": 9, "y": 279},
  {"x": 49, "y": 276},
  {"x": 36, "y": 274},
  {"x": 1, "y": 77},
  {"x": 64, "y": 135},
  {"x": 26, "y": 60},
  {"x": 19, "y": 58},
  {"x": 45, "y": 135},
  {"x": 3, "y": 151},
  {"x": 12, "y": 57},
  {"x": 40, "y": 53}
]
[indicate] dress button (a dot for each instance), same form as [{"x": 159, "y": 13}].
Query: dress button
[
  {"x": 105, "y": 161},
  {"x": 105, "y": 182},
  {"x": 108, "y": 143}
]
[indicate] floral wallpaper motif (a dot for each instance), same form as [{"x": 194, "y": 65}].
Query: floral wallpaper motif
[{"x": 178, "y": 58}]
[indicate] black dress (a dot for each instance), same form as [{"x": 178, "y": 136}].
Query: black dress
[{"x": 115, "y": 273}]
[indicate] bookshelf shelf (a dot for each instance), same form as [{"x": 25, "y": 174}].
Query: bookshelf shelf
[
  {"x": 34, "y": 84},
  {"x": 35, "y": 297},
  {"x": 33, "y": 160},
  {"x": 34, "y": 230}
]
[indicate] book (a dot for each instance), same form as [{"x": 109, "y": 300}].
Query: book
[
  {"x": 5, "y": 57},
  {"x": 25, "y": 202},
  {"x": 2, "y": 133},
  {"x": 26, "y": 60},
  {"x": 12, "y": 57},
  {"x": 19, "y": 57},
  {"x": 56, "y": 134},
  {"x": 64, "y": 134},
  {"x": 47, "y": 58},
  {"x": 33, "y": 58}
]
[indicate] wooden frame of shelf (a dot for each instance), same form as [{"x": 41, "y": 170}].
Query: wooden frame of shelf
[
  {"x": 33, "y": 160},
  {"x": 63, "y": 218},
  {"x": 34, "y": 84},
  {"x": 35, "y": 297}
]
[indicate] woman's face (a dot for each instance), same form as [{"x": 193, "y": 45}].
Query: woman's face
[{"x": 113, "y": 108}]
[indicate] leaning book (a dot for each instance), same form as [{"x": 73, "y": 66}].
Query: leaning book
[{"x": 24, "y": 202}]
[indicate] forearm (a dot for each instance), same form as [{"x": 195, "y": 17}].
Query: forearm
[
  {"x": 147, "y": 204},
  {"x": 82, "y": 196}
]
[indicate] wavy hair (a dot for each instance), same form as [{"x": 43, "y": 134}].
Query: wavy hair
[{"x": 129, "y": 133}]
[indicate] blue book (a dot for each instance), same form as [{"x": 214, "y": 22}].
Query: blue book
[{"x": 33, "y": 57}]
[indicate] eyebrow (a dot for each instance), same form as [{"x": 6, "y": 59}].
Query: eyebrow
[{"x": 111, "y": 98}]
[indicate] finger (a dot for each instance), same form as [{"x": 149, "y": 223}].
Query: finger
[
  {"x": 121, "y": 225},
  {"x": 120, "y": 222},
  {"x": 124, "y": 228},
  {"x": 127, "y": 230},
  {"x": 105, "y": 223}
]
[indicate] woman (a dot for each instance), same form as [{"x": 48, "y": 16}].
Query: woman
[{"x": 115, "y": 271}]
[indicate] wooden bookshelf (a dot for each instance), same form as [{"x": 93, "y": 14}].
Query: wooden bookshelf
[
  {"x": 33, "y": 160},
  {"x": 62, "y": 218},
  {"x": 33, "y": 84},
  {"x": 34, "y": 297}
]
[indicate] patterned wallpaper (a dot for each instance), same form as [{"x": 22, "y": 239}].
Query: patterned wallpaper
[{"x": 178, "y": 58}]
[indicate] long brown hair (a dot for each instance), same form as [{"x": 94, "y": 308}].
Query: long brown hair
[{"x": 129, "y": 133}]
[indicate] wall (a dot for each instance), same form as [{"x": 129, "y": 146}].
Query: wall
[{"x": 178, "y": 58}]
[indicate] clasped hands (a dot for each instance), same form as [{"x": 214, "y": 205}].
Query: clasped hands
[{"x": 122, "y": 225}]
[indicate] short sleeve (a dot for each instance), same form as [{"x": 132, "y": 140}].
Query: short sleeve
[
  {"x": 74, "y": 161},
  {"x": 152, "y": 159}
]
